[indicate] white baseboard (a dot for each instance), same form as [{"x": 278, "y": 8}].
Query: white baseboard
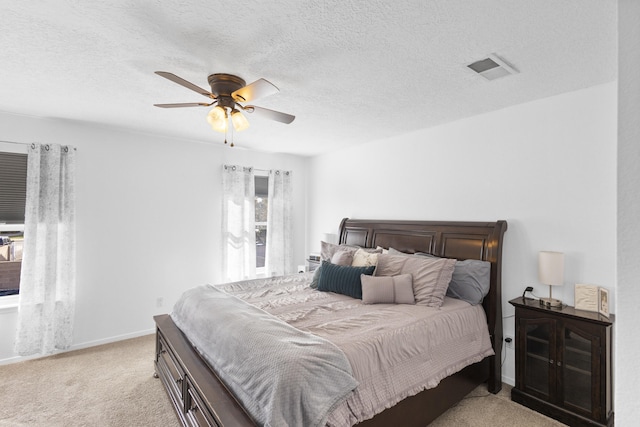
[
  {"x": 508, "y": 380},
  {"x": 80, "y": 346}
]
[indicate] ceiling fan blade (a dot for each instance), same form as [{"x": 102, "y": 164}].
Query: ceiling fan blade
[
  {"x": 187, "y": 104},
  {"x": 188, "y": 85},
  {"x": 258, "y": 89},
  {"x": 270, "y": 114}
]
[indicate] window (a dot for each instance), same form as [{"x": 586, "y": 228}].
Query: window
[
  {"x": 13, "y": 188},
  {"x": 261, "y": 207}
]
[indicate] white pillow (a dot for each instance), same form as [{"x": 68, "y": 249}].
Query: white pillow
[{"x": 362, "y": 258}]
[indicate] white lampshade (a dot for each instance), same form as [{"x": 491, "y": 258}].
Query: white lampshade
[
  {"x": 217, "y": 118},
  {"x": 551, "y": 268},
  {"x": 240, "y": 122}
]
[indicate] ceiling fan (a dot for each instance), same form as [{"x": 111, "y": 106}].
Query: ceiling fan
[{"x": 229, "y": 92}]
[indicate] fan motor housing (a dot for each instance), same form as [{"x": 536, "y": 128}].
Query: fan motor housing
[{"x": 225, "y": 84}]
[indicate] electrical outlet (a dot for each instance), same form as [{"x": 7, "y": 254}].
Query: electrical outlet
[
  {"x": 159, "y": 302},
  {"x": 509, "y": 340}
]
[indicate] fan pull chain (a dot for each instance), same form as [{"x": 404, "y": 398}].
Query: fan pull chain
[
  {"x": 226, "y": 129},
  {"x": 232, "y": 133}
]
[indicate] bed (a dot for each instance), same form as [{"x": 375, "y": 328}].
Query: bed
[{"x": 200, "y": 397}]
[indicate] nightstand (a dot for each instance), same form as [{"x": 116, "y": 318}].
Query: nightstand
[{"x": 563, "y": 363}]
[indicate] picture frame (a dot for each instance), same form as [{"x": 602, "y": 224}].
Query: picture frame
[
  {"x": 586, "y": 297},
  {"x": 592, "y": 298},
  {"x": 603, "y": 301}
]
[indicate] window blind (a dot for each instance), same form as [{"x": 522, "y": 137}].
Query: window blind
[
  {"x": 262, "y": 186},
  {"x": 13, "y": 187}
]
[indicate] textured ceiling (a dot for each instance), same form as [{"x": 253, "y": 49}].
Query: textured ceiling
[{"x": 351, "y": 71}]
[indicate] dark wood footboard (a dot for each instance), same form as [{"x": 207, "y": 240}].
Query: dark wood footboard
[{"x": 197, "y": 394}]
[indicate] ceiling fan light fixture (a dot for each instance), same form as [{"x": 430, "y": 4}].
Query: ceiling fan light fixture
[
  {"x": 240, "y": 122},
  {"x": 227, "y": 91},
  {"x": 217, "y": 118}
]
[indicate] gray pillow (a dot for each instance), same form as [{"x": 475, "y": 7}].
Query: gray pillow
[
  {"x": 431, "y": 276},
  {"x": 316, "y": 276},
  {"x": 470, "y": 281},
  {"x": 387, "y": 290},
  {"x": 393, "y": 251},
  {"x": 342, "y": 257},
  {"x": 328, "y": 249}
]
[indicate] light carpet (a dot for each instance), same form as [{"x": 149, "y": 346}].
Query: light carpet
[{"x": 113, "y": 385}]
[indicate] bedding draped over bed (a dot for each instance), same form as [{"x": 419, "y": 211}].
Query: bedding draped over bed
[
  {"x": 283, "y": 376},
  {"x": 395, "y": 351}
]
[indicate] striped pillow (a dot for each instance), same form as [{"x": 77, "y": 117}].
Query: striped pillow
[{"x": 342, "y": 279}]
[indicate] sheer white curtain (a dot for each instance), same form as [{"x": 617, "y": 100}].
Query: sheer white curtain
[
  {"x": 48, "y": 277},
  {"x": 279, "y": 253},
  {"x": 238, "y": 223}
]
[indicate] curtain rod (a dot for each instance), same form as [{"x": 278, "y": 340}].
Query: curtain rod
[
  {"x": 33, "y": 144},
  {"x": 252, "y": 168},
  {"x": 14, "y": 142},
  {"x": 263, "y": 170}
]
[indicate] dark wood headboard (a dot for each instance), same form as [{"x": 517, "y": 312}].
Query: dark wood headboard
[{"x": 450, "y": 239}]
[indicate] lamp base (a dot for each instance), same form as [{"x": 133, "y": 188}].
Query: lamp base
[{"x": 550, "y": 302}]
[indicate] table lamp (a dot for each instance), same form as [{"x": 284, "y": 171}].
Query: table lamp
[{"x": 551, "y": 272}]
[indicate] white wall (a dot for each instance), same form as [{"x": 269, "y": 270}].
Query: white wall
[
  {"x": 148, "y": 221},
  {"x": 627, "y": 344},
  {"x": 149, "y": 214},
  {"x": 547, "y": 167}
]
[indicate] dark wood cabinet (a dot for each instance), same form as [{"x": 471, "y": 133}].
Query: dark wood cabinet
[{"x": 563, "y": 363}]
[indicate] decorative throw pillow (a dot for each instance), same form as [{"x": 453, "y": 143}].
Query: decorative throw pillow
[
  {"x": 387, "y": 290},
  {"x": 470, "y": 281},
  {"x": 365, "y": 258},
  {"x": 342, "y": 257},
  {"x": 328, "y": 249},
  {"x": 431, "y": 276},
  {"x": 342, "y": 279},
  {"x": 316, "y": 276}
]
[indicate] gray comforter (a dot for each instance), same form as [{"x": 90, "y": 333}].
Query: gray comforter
[
  {"x": 395, "y": 350},
  {"x": 283, "y": 376}
]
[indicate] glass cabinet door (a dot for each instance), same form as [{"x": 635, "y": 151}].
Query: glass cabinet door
[
  {"x": 539, "y": 351},
  {"x": 579, "y": 370}
]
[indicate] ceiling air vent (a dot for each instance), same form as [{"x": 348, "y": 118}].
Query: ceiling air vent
[{"x": 492, "y": 68}]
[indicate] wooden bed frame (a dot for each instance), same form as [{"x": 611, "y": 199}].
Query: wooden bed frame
[{"x": 201, "y": 399}]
